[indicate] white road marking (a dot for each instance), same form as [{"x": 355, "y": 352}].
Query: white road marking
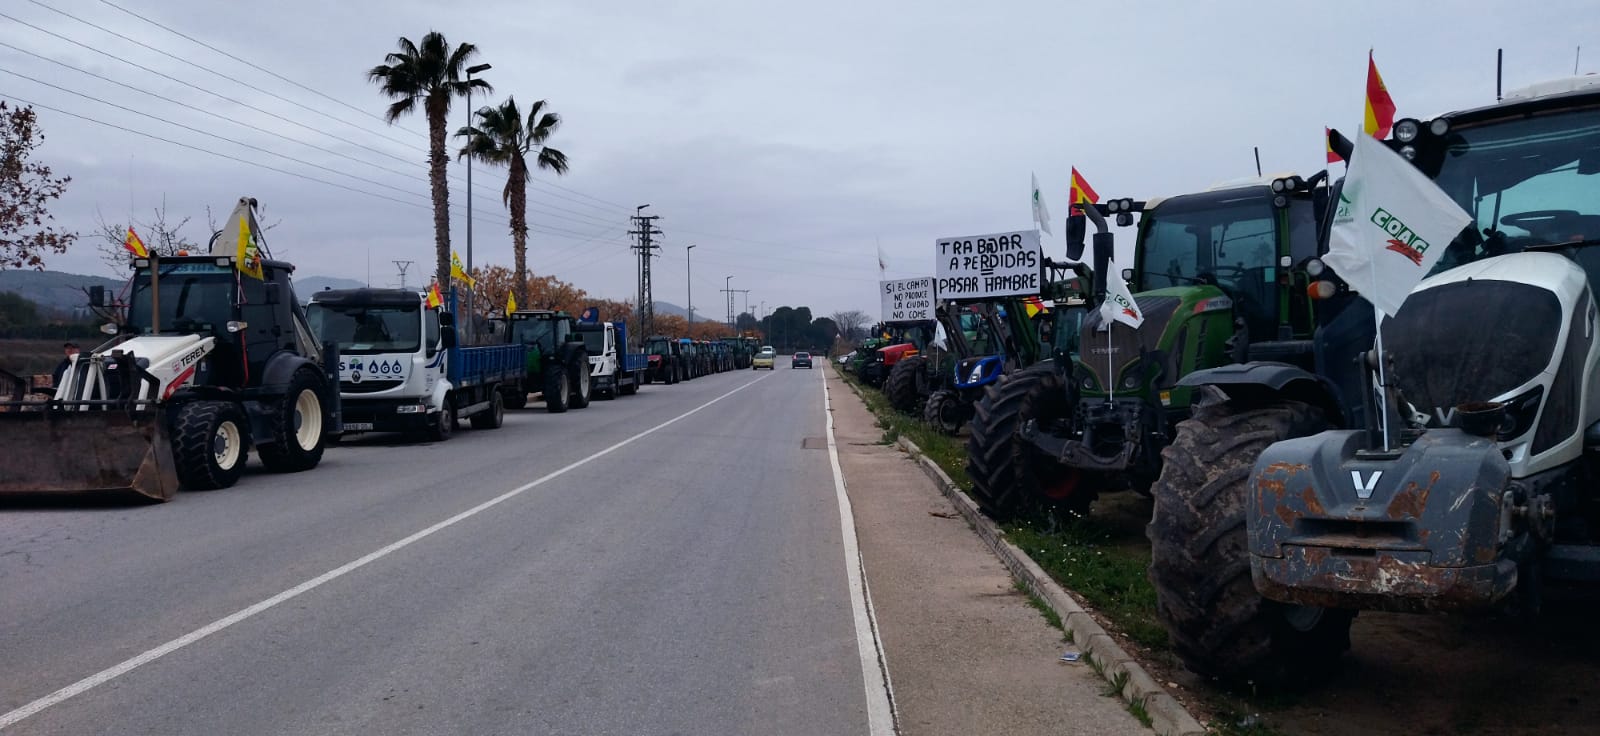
[
  {"x": 881, "y": 716},
  {"x": 111, "y": 673}
]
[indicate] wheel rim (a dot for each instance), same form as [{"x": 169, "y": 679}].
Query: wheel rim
[
  {"x": 307, "y": 419},
  {"x": 447, "y": 418},
  {"x": 1302, "y": 618},
  {"x": 226, "y": 445},
  {"x": 583, "y": 384},
  {"x": 565, "y": 388}
]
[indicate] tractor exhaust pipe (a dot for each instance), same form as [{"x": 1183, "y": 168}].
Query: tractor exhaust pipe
[{"x": 1104, "y": 250}]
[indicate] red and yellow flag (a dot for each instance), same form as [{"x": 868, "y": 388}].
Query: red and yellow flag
[
  {"x": 1033, "y": 305},
  {"x": 434, "y": 300},
  {"x": 1327, "y": 142},
  {"x": 1081, "y": 192},
  {"x": 1380, "y": 106},
  {"x": 134, "y": 244}
]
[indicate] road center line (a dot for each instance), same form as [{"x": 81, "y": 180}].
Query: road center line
[
  {"x": 881, "y": 719},
  {"x": 111, "y": 673}
]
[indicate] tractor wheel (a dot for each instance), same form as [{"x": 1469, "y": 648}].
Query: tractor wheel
[
  {"x": 444, "y": 425},
  {"x": 1008, "y": 476},
  {"x": 296, "y": 425},
  {"x": 556, "y": 388},
  {"x": 906, "y": 383},
  {"x": 516, "y": 397},
  {"x": 944, "y": 412},
  {"x": 492, "y": 417},
  {"x": 210, "y": 441},
  {"x": 630, "y": 389},
  {"x": 1200, "y": 563},
  {"x": 582, "y": 383}
]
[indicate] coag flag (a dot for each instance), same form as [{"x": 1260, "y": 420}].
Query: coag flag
[
  {"x": 511, "y": 302},
  {"x": 1380, "y": 106},
  {"x": 1081, "y": 193},
  {"x": 246, "y": 250},
  {"x": 458, "y": 272},
  {"x": 1391, "y": 227},
  {"x": 134, "y": 244},
  {"x": 1119, "y": 304},
  {"x": 1041, "y": 213}
]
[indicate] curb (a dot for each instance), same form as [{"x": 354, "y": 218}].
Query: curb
[{"x": 1167, "y": 716}]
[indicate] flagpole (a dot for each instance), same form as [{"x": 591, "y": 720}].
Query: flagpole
[
  {"x": 1111, "y": 380},
  {"x": 1383, "y": 381}
]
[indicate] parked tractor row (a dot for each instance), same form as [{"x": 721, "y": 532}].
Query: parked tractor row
[{"x": 1301, "y": 469}]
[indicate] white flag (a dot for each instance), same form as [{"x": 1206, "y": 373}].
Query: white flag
[
  {"x": 940, "y": 336},
  {"x": 1119, "y": 304},
  {"x": 1392, "y": 225},
  {"x": 1041, "y": 214}
]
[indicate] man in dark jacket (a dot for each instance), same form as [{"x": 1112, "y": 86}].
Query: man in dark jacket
[{"x": 70, "y": 349}]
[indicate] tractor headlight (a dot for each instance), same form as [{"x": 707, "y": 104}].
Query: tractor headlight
[
  {"x": 110, "y": 328},
  {"x": 1407, "y": 130},
  {"x": 976, "y": 375},
  {"x": 1315, "y": 267},
  {"x": 1130, "y": 381},
  {"x": 1439, "y": 127},
  {"x": 1279, "y": 185},
  {"x": 234, "y": 326},
  {"x": 1409, "y": 152}
]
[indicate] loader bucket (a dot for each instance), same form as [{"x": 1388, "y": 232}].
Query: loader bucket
[{"x": 50, "y": 451}]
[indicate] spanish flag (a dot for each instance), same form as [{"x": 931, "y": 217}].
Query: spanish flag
[
  {"x": 511, "y": 302},
  {"x": 135, "y": 245},
  {"x": 1327, "y": 142},
  {"x": 1380, "y": 106},
  {"x": 1033, "y": 305},
  {"x": 434, "y": 300},
  {"x": 1081, "y": 192}
]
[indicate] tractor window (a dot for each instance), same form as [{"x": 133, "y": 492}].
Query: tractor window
[
  {"x": 368, "y": 330},
  {"x": 1231, "y": 244},
  {"x": 976, "y": 333},
  {"x": 1068, "y": 325},
  {"x": 533, "y": 332},
  {"x": 195, "y": 297},
  {"x": 658, "y": 347},
  {"x": 1533, "y": 181}
]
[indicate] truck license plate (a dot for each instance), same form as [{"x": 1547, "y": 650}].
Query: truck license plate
[{"x": 358, "y": 426}]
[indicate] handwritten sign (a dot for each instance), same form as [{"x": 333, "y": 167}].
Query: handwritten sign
[
  {"x": 907, "y": 299},
  {"x": 986, "y": 266}
]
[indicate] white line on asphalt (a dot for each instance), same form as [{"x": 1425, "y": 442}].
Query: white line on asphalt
[
  {"x": 881, "y": 717},
  {"x": 111, "y": 673}
]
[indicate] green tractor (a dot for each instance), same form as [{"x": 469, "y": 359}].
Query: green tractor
[
  {"x": 557, "y": 363},
  {"x": 1211, "y": 272}
]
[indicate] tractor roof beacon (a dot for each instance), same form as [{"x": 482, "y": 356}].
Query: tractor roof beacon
[
  {"x": 1486, "y": 498},
  {"x": 1219, "y": 277},
  {"x": 207, "y": 363}
]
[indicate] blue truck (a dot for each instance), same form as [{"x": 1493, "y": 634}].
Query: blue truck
[
  {"x": 612, "y": 369},
  {"x": 401, "y": 370}
]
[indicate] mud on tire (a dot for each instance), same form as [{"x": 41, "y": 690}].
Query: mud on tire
[
  {"x": 906, "y": 383},
  {"x": 291, "y": 450},
  {"x": 210, "y": 442},
  {"x": 1008, "y": 478},
  {"x": 1217, "y": 622}
]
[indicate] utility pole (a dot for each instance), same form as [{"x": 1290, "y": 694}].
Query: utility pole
[
  {"x": 688, "y": 282},
  {"x": 645, "y": 230},
  {"x": 732, "y": 323},
  {"x": 471, "y": 298},
  {"x": 403, "y": 265}
]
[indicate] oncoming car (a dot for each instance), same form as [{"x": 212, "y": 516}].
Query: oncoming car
[
  {"x": 767, "y": 358},
  {"x": 801, "y": 358}
]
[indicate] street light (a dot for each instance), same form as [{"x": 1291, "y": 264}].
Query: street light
[
  {"x": 688, "y": 282},
  {"x": 727, "y": 286},
  {"x": 471, "y": 323}
]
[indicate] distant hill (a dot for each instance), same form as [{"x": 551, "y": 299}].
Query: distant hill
[
  {"x": 305, "y": 287},
  {"x": 674, "y": 310},
  {"x": 55, "y": 291}
]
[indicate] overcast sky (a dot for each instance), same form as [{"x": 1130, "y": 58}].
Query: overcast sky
[{"x": 784, "y": 139}]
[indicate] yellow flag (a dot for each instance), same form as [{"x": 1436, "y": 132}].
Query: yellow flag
[
  {"x": 248, "y": 257},
  {"x": 458, "y": 272},
  {"x": 511, "y": 302}
]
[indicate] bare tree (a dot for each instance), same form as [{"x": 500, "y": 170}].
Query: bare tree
[
  {"x": 852, "y": 324},
  {"x": 26, "y": 189},
  {"x": 160, "y": 234}
]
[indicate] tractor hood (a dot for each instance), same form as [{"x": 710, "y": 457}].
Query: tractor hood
[
  {"x": 1179, "y": 323},
  {"x": 893, "y": 353},
  {"x": 1517, "y": 329}
]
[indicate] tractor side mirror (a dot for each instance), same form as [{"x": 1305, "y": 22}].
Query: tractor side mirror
[
  {"x": 447, "y": 319},
  {"x": 447, "y": 336},
  {"x": 1077, "y": 226},
  {"x": 97, "y": 296},
  {"x": 274, "y": 294}
]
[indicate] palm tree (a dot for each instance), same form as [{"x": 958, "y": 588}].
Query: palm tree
[
  {"x": 431, "y": 73},
  {"x": 501, "y": 137}
]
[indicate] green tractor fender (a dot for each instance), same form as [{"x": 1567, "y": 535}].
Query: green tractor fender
[{"x": 1262, "y": 383}]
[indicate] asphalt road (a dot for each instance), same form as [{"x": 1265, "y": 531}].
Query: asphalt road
[{"x": 691, "y": 581}]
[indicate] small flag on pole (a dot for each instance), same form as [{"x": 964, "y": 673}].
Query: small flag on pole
[
  {"x": 1391, "y": 227},
  {"x": 1041, "y": 213},
  {"x": 458, "y": 272},
  {"x": 883, "y": 264},
  {"x": 1119, "y": 304},
  {"x": 1082, "y": 193},
  {"x": 511, "y": 302},
  {"x": 1380, "y": 106},
  {"x": 134, "y": 244},
  {"x": 434, "y": 300},
  {"x": 1327, "y": 142},
  {"x": 247, "y": 256},
  {"x": 1033, "y": 305}
]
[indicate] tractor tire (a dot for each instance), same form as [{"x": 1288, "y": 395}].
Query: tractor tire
[
  {"x": 1200, "y": 562},
  {"x": 444, "y": 425},
  {"x": 582, "y": 383},
  {"x": 1009, "y": 478},
  {"x": 907, "y": 384},
  {"x": 210, "y": 442},
  {"x": 296, "y": 426},
  {"x": 492, "y": 417},
  {"x": 630, "y": 389},
  {"x": 516, "y": 397},
  {"x": 944, "y": 412},
  {"x": 556, "y": 388}
]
